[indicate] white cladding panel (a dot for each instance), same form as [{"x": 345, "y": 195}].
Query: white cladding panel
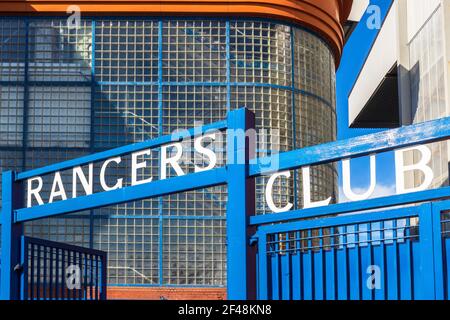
[
  {"x": 382, "y": 57},
  {"x": 419, "y": 11}
]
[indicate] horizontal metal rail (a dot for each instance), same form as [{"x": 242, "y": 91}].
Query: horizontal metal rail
[
  {"x": 347, "y": 207},
  {"x": 157, "y": 188},
  {"x": 426, "y": 132},
  {"x": 340, "y": 220},
  {"x": 154, "y": 143}
]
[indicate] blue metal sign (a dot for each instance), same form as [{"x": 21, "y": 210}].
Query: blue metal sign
[{"x": 276, "y": 243}]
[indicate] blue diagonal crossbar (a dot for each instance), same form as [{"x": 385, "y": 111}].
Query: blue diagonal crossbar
[
  {"x": 148, "y": 190},
  {"x": 388, "y": 140}
]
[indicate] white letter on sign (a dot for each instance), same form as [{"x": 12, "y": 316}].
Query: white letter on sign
[
  {"x": 346, "y": 181},
  {"x": 34, "y": 192},
  {"x": 135, "y": 166},
  {"x": 400, "y": 169},
  {"x": 269, "y": 189},
  {"x": 172, "y": 161},
  {"x": 207, "y": 152},
  {"x": 57, "y": 182},
  {"x": 307, "y": 203},
  {"x": 118, "y": 185},
  {"x": 87, "y": 185}
]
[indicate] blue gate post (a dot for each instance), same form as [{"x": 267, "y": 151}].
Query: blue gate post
[
  {"x": 241, "y": 257},
  {"x": 426, "y": 285},
  {"x": 11, "y": 238}
]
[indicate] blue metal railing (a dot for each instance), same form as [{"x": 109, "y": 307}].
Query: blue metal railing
[
  {"x": 59, "y": 271},
  {"x": 334, "y": 258}
]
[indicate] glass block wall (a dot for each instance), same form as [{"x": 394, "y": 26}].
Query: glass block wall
[{"x": 69, "y": 91}]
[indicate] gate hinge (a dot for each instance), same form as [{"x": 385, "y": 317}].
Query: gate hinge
[{"x": 18, "y": 267}]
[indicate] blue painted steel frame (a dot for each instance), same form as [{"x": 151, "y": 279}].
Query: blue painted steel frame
[
  {"x": 239, "y": 175},
  {"x": 14, "y": 214},
  {"x": 430, "y": 281},
  {"x": 160, "y": 81}
]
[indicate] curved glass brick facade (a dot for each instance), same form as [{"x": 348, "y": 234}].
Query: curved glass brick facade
[{"x": 70, "y": 91}]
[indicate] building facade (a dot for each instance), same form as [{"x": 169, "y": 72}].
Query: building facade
[
  {"x": 409, "y": 80},
  {"x": 71, "y": 89}
]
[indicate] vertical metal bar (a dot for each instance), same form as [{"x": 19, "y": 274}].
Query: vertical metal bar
[
  {"x": 438, "y": 249},
  {"x": 32, "y": 261},
  {"x": 366, "y": 262},
  {"x": 97, "y": 277},
  {"x": 296, "y": 268},
  {"x": 330, "y": 268},
  {"x": 286, "y": 270},
  {"x": 11, "y": 237},
  {"x": 426, "y": 283},
  {"x": 24, "y": 275},
  {"x": 80, "y": 266},
  {"x": 262, "y": 267},
  {"x": 447, "y": 267},
  {"x": 92, "y": 136},
  {"x": 52, "y": 261},
  {"x": 342, "y": 265},
  {"x": 57, "y": 262},
  {"x": 85, "y": 275},
  {"x": 391, "y": 263},
  {"x": 308, "y": 268},
  {"x": 294, "y": 119},
  {"x": 69, "y": 262},
  {"x": 26, "y": 94},
  {"x": 318, "y": 257},
  {"x": 44, "y": 278},
  {"x": 63, "y": 273},
  {"x": 103, "y": 294},
  {"x": 91, "y": 282},
  {"x": 228, "y": 65},
  {"x": 379, "y": 253},
  {"x": 404, "y": 263},
  {"x": 275, "y": 267},
  {"x": 160, "y": 130},
  {"x": 354, "y": 265},
  {"x": 38, "y": 271},
  {"x": 241, "y": 264}
]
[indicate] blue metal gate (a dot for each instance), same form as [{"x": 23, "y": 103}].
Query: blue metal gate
[
  {"x": 332, "y": 255},
  {"x": 391, "y": 254},
  {"x": 59, "y": 271}
]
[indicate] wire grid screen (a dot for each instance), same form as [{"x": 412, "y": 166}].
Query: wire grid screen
[
  {"x": 59, "y": 116},
  {"x": 316, "y": 124},
  {"x": 11, "y": 116},
  {"x": 13, "y": 52},
  {"x": 124, "y": 114},
  {"x": 314, "y": 65},
  {"x": 126, "y": 51},
  {"x": 73, "y": 229},
  {"x": 273, "y": 109},
  {"x": 185, "y": 107},
  {"x": 195, "y": 82},
  {"x": 194, "y": 51},
  {"x": 58, "y": 51},
  {"x": 9, "y": 160},
  {"x": 194, "y": 252},
  {"x": 260, "y": 52},
  {"x": 339, "y": 256},
  {"x": 133, "y": 248}
]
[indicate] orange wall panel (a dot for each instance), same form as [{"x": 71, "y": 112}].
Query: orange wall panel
[
  {"x": 172, "y": 293},
  {"x": 323, "y": 16}
]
